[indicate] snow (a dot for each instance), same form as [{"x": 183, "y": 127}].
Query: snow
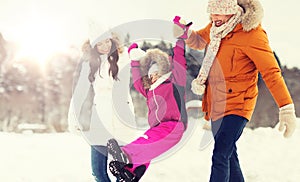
[{"x": 264, "y": 156}]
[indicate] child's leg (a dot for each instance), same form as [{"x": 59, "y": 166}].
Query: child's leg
[
  {"x": 120, "y": 166},
  {"x": 154, "y": 142},
  {"x": 140, "y": 152}
]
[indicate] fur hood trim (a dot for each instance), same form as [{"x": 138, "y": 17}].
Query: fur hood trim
[
  {"x": 253, "y": 14},
  {"x": 155, "y": 56}
]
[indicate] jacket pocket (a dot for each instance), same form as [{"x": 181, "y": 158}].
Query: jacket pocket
[{"x": 228, "y": 97}]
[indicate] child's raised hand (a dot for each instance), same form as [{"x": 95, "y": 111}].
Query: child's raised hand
[
  {"x": 132, "y": 46},
  {"x": 180, "y": 28},
  {"x": 135, "y": 53}
]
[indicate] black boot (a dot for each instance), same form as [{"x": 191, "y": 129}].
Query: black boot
[
  {"x": 116, "y": 152},
  {"x": 139, "y": 172},
  {"x": 120, "y": 170}
]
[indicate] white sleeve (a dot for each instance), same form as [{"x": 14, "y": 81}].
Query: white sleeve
[
  {"x": 80, "y": 93},
  {"x": 121, "y": 90},
  {"x": 73, "y": 124}
]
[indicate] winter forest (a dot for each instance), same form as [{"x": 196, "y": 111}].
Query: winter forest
[
  {"x": 36, "y": 97},
  {"x": 40, "y": 48},
  {"x": 33, "y": 119}
]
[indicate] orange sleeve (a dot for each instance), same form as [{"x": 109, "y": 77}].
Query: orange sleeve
[
  {"x": 260, "y": 53},
  {"x": 199, "y": 39}
]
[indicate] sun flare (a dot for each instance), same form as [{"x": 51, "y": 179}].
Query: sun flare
[{"x": 40, "y": 39}]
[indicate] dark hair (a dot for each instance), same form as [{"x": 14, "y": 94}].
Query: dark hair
[{"x": 112, "y": 57}]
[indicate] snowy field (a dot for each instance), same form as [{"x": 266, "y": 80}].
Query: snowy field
[{"x": 264, "y": 154}]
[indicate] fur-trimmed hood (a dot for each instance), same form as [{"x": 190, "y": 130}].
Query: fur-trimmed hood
[
  {"x": 253, "y": 14},
  {"x": 153, "y": 56}
]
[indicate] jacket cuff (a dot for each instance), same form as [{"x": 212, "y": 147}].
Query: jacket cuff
[
  {"x": 135, "y": 63},
  {"x": 287, "y": 107},
  {"x": 136, "y": 54}
]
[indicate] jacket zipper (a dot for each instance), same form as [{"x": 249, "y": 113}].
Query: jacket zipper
[{"x": 157, "y": 107}]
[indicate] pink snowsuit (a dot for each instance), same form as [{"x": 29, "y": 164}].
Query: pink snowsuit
[{"x": 167, "y": 115}]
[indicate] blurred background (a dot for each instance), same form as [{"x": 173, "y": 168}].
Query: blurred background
[{"x": 40, "y": 46}]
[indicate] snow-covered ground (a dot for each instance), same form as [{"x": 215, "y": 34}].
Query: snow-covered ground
[{"x": 265, "y": 156}]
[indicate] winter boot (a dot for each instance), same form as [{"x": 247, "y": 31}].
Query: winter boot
[
  {"x": 122, "y": 172},
  {"x": 116, "y": 152}
]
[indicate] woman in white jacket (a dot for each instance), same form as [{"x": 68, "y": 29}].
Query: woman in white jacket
[{"x": 101, "y": 106}]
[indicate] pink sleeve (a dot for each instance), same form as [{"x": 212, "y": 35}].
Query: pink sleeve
[
  {"x": 137, "y": 78},
  {"x": 179, "y": 63}
]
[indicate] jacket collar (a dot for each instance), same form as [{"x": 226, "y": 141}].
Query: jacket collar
[{"x": 160, "y": 80}]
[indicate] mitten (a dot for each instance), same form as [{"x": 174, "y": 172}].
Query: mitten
[
  {"x": 180, "y": 28},
  {"x": 135, "y": 53},
  {"x": 287, "y": 120},
  {"x": 197, "y": 87},
  {"x": 206, "y": 126}
]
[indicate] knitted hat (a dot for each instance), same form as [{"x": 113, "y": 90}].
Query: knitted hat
[
  {"x": 153, "y": 69},
  {"x": 222, "y": 7},
  {"x": 98, "y": 32}
]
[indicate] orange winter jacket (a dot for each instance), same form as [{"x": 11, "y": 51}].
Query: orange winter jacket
[{"x": 232, "y": 83}]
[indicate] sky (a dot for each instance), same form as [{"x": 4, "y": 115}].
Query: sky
[
  {"x": 55, "y": 24},
  {"x": 265, "y": 156}
]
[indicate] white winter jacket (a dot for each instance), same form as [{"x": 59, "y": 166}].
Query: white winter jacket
[{"x": 111, "y": 107}]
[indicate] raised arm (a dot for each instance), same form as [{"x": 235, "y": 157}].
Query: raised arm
[
  {"x": 178, "y": 62},
  {"x": 199, "y": 39},
  {"x": 135, "y": 55},
  {"x": 194, "y": 39}
]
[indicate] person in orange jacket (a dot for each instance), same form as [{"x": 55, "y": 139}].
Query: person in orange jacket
[{"x": 237, "y": 48}]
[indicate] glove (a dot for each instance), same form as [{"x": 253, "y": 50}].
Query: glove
[
  {"x": 207, "y": 126},
  {"x": 180, "y": 28},
  {"x": 287, "y": 120},
  {"x": 135, "y": 53},
  {"x": 197, "y": 87}
]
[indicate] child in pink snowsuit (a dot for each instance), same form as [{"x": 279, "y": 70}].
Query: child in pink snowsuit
[{"x": 161, "y": 80}]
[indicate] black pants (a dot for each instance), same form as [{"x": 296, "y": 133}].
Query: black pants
[{"x": 225, "y": 162}]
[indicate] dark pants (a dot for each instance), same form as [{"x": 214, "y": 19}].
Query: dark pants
[
  {"x": 225, "y": 162},
  {"x": 99, "y": 163}
]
